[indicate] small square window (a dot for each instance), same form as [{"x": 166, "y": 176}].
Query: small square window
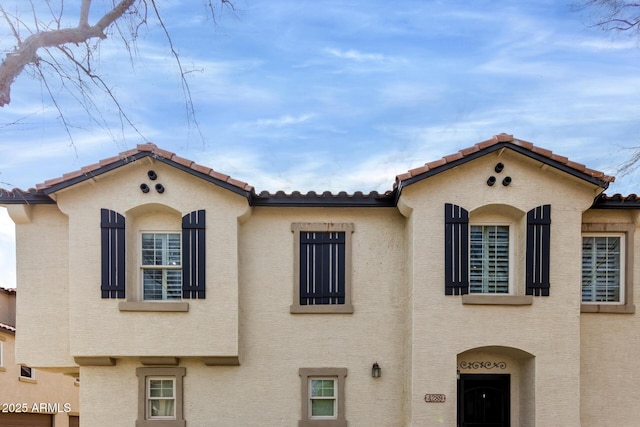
[
  {"x": 160, "y": 397},
  {"x": 26, "y": 372},
  {"x": 161, "y": 265},
  {"x": 322, "y": 268},
  {"x": 603, "y": 268},
  {"x": 323, "y": 397}
]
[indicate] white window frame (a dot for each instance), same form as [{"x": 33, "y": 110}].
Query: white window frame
[
  {"x": 32, "y": 375},
  {"x": 338, "y": 375},
  {"x": 177, "y": 375},
  {"x": 150, "y": 399},
  {"x": 163, "y": 268},
  {"x": 510, "y": 265},
  {"x": 333, "y": 398},
  {"x": 622, "y": 261}
]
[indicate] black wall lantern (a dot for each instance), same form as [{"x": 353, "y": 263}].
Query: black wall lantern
[{"x": 376, "y": 371}]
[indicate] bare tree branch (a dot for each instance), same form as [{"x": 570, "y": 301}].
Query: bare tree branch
[{"x": 26, "y": 53}]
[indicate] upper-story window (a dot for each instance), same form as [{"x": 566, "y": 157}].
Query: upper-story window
[
  {"x": 497, "y": 250},
  {"x": 489, "y": 259},
  {"x": 166, "y": 265},
  {"x": 322, "y": 263},
  {"x": 161, "y": 266},
  {"x": 603, "y": 268}
]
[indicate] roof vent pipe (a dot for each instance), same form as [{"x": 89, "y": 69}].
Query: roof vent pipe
[
  {"x": 144, "y": 188},
  {"x": 506, "y": 181},
  {"x": 491, "y": 181},
  {"x": 160, "y": 188},
  {"x": 152, "y": 175}
]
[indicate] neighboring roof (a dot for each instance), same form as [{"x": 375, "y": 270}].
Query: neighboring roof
[
  {"x": 617, "y": 201},
  {"x": 358, "y": 199},
  {"x": 8, "y": 327},
  {"x": 496, "y": 143},
  {"x": 10, "y": 291}
]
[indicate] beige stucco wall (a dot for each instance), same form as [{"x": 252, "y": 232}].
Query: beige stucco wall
[
  {"x": 45, "y": 392},
  {"x": 549, "y": 329},
  {"x": 609, "y": 345},
  {"x": 265, "y": 389},
  {"x": 401, "y": 318}
]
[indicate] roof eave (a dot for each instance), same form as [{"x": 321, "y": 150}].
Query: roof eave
[
  {"x": 496, "y": 147},
  {"x": 130, "y": 159}
]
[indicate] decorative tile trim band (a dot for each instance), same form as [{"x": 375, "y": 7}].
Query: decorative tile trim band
[{"x": 482, "y": 365}]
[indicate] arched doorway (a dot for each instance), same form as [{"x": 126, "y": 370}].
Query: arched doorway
[{"x": 496, "y": 387}]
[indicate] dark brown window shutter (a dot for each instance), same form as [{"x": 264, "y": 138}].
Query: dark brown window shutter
[
  {"x": 538, "y": 247},
  {"x": 193, "y": 255},
  {"x": 456, "y": 250},
  {"x": 113, "y": 257}
]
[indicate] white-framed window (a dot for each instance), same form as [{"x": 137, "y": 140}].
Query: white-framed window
[
  {"x": 323, "y": 398},
  {"x": 161, "y": 266},
  {"x": 603, "y": 269},
  {"x": 489, "y": 255},
  {"x": 27, "y": 372},
  {"x": 161, "y": 398}
]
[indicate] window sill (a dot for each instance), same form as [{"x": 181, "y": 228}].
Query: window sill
[
  {"x": 497, "y": 299},
  {"x": 322, "y": 309},
  {"x": 608, "y": 308},
  {"x": 27, "y": 380},
  {"x": 153, "y": 306},
  {"x": 322, "y": 423}
]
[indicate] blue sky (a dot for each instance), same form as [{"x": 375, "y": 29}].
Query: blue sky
[{"x": 334, "y": 95}]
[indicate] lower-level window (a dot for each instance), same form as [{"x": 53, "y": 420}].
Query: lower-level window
[
  {"x": 323, "y": 401},
  {"x": 160, "y": 397},
  {"x": 26, "y": 372},
  {"x": 161, "y": 266},
  {"x": 602, "y": 268},
  {"x": 323, "y": 397},
  {"x": 489, "y": 259}
]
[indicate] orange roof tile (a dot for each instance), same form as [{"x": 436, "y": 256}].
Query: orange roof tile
[
  {"x": 89, "y": 171},
  {"x": 498, "y": 139}
]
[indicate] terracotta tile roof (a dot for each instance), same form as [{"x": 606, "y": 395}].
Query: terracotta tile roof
[
  {"x": 8, "y": 290},
  {"x": 497, "y": 141},
  {"x": 148, "y": 149}
]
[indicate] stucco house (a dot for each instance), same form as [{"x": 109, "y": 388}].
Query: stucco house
[
  {"x": 493, "y": 287},
  {"x": 31, "y": 397}
]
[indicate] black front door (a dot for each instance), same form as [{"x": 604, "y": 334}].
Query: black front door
[{"x": 483, "y": 400}]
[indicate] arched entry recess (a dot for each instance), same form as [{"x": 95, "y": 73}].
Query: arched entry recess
[{"x": 496, "y": 387}]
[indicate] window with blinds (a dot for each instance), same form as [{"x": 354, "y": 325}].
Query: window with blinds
[
  {"x": 161, "y": 266},
  {"x": 489, "y": 259},
  {"x": 602, "y": 269}
]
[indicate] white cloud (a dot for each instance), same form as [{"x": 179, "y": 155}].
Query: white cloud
[
  {"x": 356, "y": 55},
  {"x": 285, "y": 120}
]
